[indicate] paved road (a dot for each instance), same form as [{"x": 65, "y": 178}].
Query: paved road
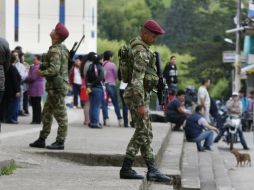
[
  {"x": 48, "y": 172},
  {"x": 242, "y": 178}
]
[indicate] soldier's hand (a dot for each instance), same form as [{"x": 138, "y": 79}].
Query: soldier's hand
[
  {"x": 141, "y": 111},
  {"x": 18, "y": 94}
]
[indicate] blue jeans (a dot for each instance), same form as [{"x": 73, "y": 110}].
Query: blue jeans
[
  {"x": 112, "y": 92},
  {"x": 76, "y": 92},
  {"x": 207, "y": 136},
  {"x": 125, "y": 109},
  {"x": 95, "y": 103},
  {"x": 240, "y": 133},
  {"x": 12, "y": 110}
]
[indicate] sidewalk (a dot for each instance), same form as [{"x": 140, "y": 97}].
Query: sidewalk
[{"x": 91, "y": 159}]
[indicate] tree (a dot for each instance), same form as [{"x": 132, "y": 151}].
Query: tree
[{"x": 123, "y": 21}]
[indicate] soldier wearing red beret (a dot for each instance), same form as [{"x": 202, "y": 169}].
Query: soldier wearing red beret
[
  {"x": 136, "y": 96},
  {"x": 55, "y": 70}
]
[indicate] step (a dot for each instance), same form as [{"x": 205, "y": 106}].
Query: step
[
  {"x": 206, "y": 171},
  {"x": 156, "y": 186},
  {"x": 221, "y": 176},
  {"x": 190, "y": 170},
  {"x": 171, "y": 159}
]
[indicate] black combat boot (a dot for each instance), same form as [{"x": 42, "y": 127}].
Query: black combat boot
[
  {"x": 56, "y": 146},
  {"x": 127, "y": 172},
  {"x": 153, "y": 174},
  {"x": 39, "y": 143}
]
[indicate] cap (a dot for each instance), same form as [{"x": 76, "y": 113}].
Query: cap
[
  {"x": 235, "y": 94},
  {"x": 154, "y": 27},
  {"x": 62, "y": 31}
]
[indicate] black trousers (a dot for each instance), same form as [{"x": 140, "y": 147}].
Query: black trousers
[
  {"x": 36, "y": 107},
  {"x": 178, "y": 119},
  {"x": 25, "y": 102}
]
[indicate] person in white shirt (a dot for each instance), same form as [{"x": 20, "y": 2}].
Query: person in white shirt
[
  {"x": 23, "y": 73},
  {"x": 76, "y": 81},
  {"x": 204, "y": 98}
]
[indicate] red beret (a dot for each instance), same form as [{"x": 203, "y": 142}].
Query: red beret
[
  {"x": 62, "y": 31},
  {"x": 154, "y": 27}
]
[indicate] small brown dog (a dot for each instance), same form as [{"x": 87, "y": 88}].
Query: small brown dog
[{"x": 242, "y": 158}]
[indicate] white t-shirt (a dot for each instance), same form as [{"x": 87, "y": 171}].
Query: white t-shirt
[
  {"x": 77, "y": 76},
  {"x": 123, "y": 85},
  {"x": 203, "y": 93},
  {"x": 202, "y": 121}
]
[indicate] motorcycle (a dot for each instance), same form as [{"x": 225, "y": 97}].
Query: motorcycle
[{"x": 232, "y": 124}]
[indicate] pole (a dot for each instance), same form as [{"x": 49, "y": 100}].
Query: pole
[{"x": 237, "y": 64}]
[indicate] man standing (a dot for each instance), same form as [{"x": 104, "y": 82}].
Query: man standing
[
  {"x": 136, "y": 96},
  {"x": 55, "y": 70},
  {"x": 5, "y": 55},
  {"x": 204, "y": 98},
  {"x": 170, "y": 74}
]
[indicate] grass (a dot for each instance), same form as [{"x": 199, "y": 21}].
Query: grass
[{"x": 8, "y": 170}]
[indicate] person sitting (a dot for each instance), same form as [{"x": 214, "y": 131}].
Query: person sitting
[
  {"x": 198, "y": 129},
  {"x": 175, "y": 112},
  {"x": 234, "y": 107}
]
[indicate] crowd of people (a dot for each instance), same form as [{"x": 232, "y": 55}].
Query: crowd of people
[
  {"x": 20, "y": 84},
  {"x": 93, "y": 80}
]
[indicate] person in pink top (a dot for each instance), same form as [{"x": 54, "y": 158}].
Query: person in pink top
[
  {"x": 110, "y": 71},
  {"x": 36, "y": 88}
]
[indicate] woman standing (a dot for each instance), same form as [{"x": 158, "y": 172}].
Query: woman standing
[{"x": 35, "y": 89}]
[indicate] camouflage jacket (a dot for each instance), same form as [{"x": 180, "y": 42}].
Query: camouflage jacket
[
  {"x": 55, "y": 68},
  {"x": 143, "y": 68}
]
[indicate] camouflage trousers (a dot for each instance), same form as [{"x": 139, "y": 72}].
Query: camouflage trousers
[
  {"x": 142, "y": 137},
  {"x": 55, "y": 106}
]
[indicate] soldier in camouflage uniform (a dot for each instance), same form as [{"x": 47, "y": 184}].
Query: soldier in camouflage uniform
[
  {"x": 136, "y": 96},
  {"x": 55, "y": 70}
]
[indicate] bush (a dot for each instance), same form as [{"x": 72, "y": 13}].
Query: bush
[{"x": 221, "y": 89}]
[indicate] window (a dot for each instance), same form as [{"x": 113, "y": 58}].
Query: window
[
  {"x": 16, "y": 21},
  {"x": 62, "y": 11}
]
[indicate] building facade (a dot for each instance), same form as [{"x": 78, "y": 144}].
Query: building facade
[{"x": 28, "y": 23}]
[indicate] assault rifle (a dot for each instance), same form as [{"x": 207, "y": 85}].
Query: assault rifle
[
  {"x": 73, "y": 52},
  {"x": 162, "y": 88}
]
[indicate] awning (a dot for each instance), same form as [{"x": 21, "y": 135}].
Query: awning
[{"x": 248, "y": 69}]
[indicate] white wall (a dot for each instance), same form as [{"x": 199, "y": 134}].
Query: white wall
[
  {"x": 34, "y": 30},
  {"x": 2, "y": 18}
]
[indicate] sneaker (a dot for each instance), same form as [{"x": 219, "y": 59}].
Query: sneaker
[
  {"x": 208, "y": 148},
  {"x": 106, "y": 122},
  {"x": 120, "y": 123}
]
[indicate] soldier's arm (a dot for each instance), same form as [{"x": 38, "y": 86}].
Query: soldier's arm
[
  {"x": 54, "y": 64},
  {"x": 141, "y": 61}
]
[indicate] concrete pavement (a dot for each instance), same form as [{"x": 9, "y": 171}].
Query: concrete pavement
[{"x": 69, "y": 169}]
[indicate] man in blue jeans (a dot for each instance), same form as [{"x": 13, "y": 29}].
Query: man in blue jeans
[{"x": 198, "y": 129}]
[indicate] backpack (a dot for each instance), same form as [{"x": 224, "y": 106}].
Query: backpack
[
  {"x": 126, "y": 59},
  {"x": 92, "y": 73}
]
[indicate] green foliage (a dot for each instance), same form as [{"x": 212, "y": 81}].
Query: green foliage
[
  {"x": 195, "y": 32},
  {"x": 123, "y": 19},
  {"x": 29, "y": 58},
  {"x": 8, "y": 170},
  {"x": 112, "y": 45},
  {"x": 220, "y": 89}
]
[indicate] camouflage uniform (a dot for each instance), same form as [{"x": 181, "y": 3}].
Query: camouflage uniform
[
  {"x": 55, "y": 70},
  {"x": 144, "y": 79}
]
